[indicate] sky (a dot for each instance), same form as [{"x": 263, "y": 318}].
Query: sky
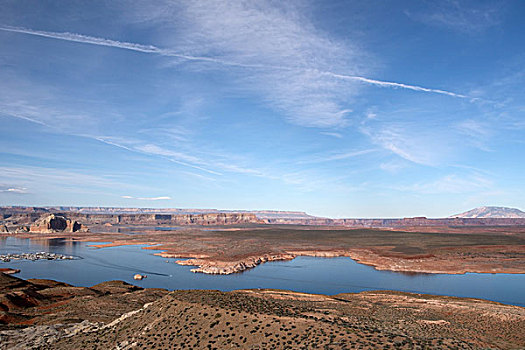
[{"x": 337, "y": 108}]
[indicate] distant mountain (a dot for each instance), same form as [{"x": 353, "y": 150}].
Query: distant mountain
[{"x": 492, "y": 212}]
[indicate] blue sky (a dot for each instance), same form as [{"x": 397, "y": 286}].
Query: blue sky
[{"x": 340, "y": 109}]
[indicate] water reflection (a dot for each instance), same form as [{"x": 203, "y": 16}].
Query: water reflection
[{"x": 30, "y": 245}]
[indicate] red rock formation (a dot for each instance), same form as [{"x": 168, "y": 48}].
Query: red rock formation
[{"x": 55, "y": 223}]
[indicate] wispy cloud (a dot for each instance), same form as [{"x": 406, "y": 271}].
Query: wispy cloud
[
  {"x": 154, "y": 149},
  {"x": 163, "y": 198},
  {"x": 27, "y": 175},
  {"x": 15, "y": 190},
  {"x": 393, "y": 166},
  {"x": 333, "y": 134},
  {"x": 451, "y": 184},
  {"x": 476, "y": 132},
  {"x": 36, "y": 103},
  {"x": 119, "y": 142},
  {"x": 336, "y": 156},
  {"x": 470, "y": 17},
  {"x": 411, "y": 141},
  {"x": 294, "y": 67},
  {"x": 176, "y": 157},
  {"x": 396, "y": 140},
  {"x": 215, "y": 166},
  {"x": 219, "y": 163}
]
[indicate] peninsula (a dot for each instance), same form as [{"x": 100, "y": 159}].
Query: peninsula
[{"x": 230, "y": 242}]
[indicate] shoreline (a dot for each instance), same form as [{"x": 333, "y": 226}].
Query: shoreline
[
  {"x": 380, "y": 258},
  {"x": 330, "y": 267},
  {"x": 429, "y": 295},
  {"x": 55, "y": 283}
]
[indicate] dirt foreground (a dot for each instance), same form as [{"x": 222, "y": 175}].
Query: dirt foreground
[{"x": 42, "y": 314}]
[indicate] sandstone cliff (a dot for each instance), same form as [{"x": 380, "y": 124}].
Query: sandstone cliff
[
  {"x": 55, "y": 223},
  {"x": 167, "y": 219},
  {"x": 70, "y": 221},
  {"x": 16, "y": 216}
]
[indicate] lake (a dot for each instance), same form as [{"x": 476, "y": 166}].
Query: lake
[{"x": 303, "y": 274}]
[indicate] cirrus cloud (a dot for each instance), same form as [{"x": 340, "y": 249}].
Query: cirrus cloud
[{"x": 162, "y": 198}]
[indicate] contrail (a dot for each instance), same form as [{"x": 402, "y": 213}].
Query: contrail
[
  {"x": 86, "y": 39},
  {"x": 23, "y": 117},
  {"x": 151, "y": 49},
  {"x": 393, "y": 84}
]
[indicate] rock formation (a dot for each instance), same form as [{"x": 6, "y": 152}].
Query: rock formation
[
  {"x": 22, "y": 229},
  {"x": 3, "y": 229},
  {"x": 55, "y": 223},
  {"x": 228, "y": 267},
  {"x": 16, "y": 216}
]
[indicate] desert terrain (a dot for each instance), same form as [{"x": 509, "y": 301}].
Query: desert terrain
[
  {"x": 42, "y": 314},
  {"x": 225, "y": 243}
]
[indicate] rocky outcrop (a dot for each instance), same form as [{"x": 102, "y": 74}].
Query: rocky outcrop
[
  {"x": 49, "y": 223},
  {"x": 46, "y": 302},
  {"x": 55, "y": 223},
  {"x": 228, "y": 267},
  {"x": 217, "y": 267},
  {"x": 22, "y": 229}
]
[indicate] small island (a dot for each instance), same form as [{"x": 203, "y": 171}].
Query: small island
[{"x": 35, "y": 256}]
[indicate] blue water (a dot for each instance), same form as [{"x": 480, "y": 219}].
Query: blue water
[{"x": 303, "y": 274}]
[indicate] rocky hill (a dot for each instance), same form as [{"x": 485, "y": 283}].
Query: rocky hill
[
  {"x": 42, "y": 314},
  {"x": 491, "y": 212},
  {"x": 54, "y": 223}
]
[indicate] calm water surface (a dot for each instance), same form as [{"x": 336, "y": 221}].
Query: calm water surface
[{"x": 304, "y": 274}]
